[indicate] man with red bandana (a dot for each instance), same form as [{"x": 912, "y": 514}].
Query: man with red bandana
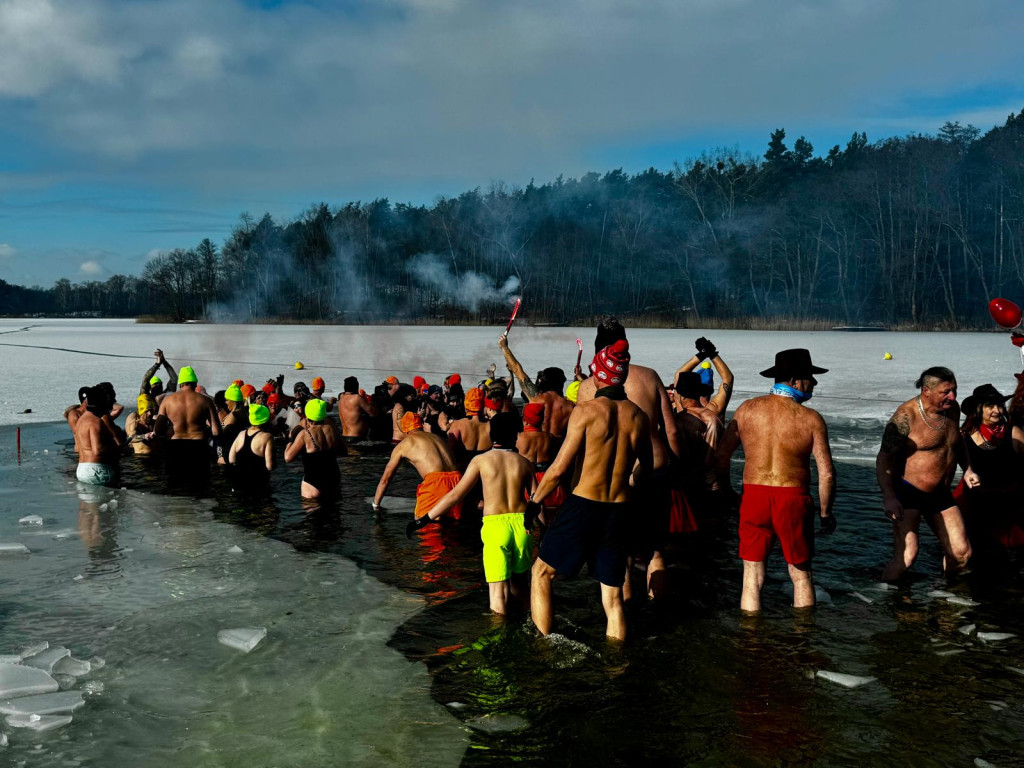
[
  {"x": 607, "y": 442},
  {"x": 430, "y": 456}
]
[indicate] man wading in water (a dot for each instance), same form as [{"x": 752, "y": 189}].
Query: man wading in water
[
  {"x": 920, "y": 449},
  {"x": 610, "y": 436},
  {"x": 779, "y": 436},
  {"x": 194, "y": 418}
]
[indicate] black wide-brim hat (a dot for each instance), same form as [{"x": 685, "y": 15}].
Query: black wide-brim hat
[
  {"x": 690, "y": 386},
  {"x": 986, "y": 393},
  {"x": 792, "y": 364}
]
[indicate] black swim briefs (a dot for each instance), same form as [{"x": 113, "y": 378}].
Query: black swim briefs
[{"x": 928, "y": 503}]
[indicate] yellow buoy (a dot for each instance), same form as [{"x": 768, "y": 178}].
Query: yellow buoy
[
  {"x": 299, "y": 366},
  {"x": 887, "y": 356}
]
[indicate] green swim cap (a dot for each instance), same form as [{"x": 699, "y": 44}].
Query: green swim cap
[
  {"x": 155, "y": 380},
  {"x": 187, "y": 376},
  {"x": 316, "y": 410},
  {"x": 234, "y": 394},
  {"x": 258, "y": 414}
]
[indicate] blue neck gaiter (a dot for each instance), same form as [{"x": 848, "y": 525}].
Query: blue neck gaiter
[{"x": 784, "y": 390}]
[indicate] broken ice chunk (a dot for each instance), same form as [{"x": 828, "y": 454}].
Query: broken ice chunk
[
  {"x": 821, "y": 595},
  {"x": 966, "y": 629},
  {"x": 940, "y": 593},
  {"x": 956, "y": 600},
  {"x": 235, "y": 550},
  {"x": 10, "y": 658},
  {"x": 980, "y": 763},
  {"x": 72, "y": 666},
  {"x": 867, "y": 600},
  {"x": 991, "y": 637},
  {"x": 3, "y": 739},
  {"x": 31, "y": 520},
  {"x": 13, "y": 548},
  {"x": 45, "y": 660},
  {"x": 847, "y": 681},
  {"x": 243, "y": 638},
  {"x": 17, "y": 680},
  {"x": 38, "y": 722},
  {"x": 65, "y": 681},
  {"x": 32, "y": 650},
  {"x": 45, "y": 704},
  {"x": 498, "y": 723},
  {"x": 97, "y": 663},
  {"x": 952, "y": 652}
]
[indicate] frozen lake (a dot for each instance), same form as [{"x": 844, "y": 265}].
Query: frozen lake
[{"x": 380, "y": 651}]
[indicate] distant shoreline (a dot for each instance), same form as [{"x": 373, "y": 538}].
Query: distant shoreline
[{"x": 710, "y": 323}]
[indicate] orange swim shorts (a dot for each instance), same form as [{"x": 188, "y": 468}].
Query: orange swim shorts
[
  {"x": 433, "y": 488},
  {"x": 768, "y": 512}
]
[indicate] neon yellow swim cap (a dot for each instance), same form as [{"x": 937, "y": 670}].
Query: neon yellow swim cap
[
  {"x": 258, "y": 414},
  {"x": 706, "y": 365},
  {"x": 316, "y": 410},
  {"x": 572, "y": 391},
  {"x": 234, "y": 394},
  {"x": 186, "y": 375},
  {"x": 155, "y": 380},
  {"x": 145, "y": 403}
]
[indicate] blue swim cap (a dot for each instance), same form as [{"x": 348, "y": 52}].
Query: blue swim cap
[{"x": 707, "y": 377}]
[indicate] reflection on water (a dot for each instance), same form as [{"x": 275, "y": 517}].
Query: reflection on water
[{"x": 696, "y": 684}]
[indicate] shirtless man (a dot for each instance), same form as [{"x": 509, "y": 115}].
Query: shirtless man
[
  {"x": 469, "y": 436},
  {"x": 539, "y": 448},
  {"x": 356, "y": 411},
  {"x": 99, "y": 439},
  {"x": 507, "y": 480},
  {"x": 920, "y": 449},
  {"x": 608, "y": 436},
  {"x": 779, "y": 436},
  {"x": 74, "y": 412},
  {"x": 430, "y": 456},
  {"x": 547, "y": 391},
  {"x": 194, "y": 419},
  {"x": 652, "y": 499}
]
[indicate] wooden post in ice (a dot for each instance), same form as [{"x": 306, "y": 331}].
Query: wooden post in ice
[{"x": 18, "y": 441}]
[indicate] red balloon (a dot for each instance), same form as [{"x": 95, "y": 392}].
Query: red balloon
[{"x": 1005, "y": 312}]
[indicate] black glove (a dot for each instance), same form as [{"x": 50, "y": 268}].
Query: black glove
[
  {"x": 533, "y": 509},
  {"x": 416, "y": 524},
  {"x": 828, "y": 525},
  {"x": 705, "y": 349}
]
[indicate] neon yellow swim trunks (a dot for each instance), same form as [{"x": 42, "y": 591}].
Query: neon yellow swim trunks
[{"x": 506, "y": 546}]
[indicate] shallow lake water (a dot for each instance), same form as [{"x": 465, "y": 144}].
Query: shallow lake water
[{"x": 380, "y": 651}]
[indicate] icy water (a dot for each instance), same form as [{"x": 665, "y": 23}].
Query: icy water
[{"x": 380, "y": 651}]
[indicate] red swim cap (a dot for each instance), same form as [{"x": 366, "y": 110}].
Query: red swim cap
[
  {"x": 269, "y": 387},
  {"x": 454, "y": 379},
  {"x": 418, "y": 383},
  {"x": 274, "y": 401},
  {"x": 238, "y": 383}
]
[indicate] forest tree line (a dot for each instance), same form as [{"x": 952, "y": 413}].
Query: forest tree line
[{"x": 916, "y": 231}]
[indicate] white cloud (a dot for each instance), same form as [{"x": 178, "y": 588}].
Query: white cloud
[
  {"x": 308, "y": 95},
  {"x": 90, "y": 268},
  {"x": 7, "y": 250}
]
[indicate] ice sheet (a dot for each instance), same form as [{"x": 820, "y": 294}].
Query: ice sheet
[
  {"x": 17, "y": 680},
  {"x": 13, "y": 548},
  {"x": 38, "y": 722},
  {"x": 45, "y": 660},
  {"x": 31, "y": 520},
  {"x": 43, "y": 704},
  {"x": 72, "y": 666},
  {"x": 993, "y": 637}
]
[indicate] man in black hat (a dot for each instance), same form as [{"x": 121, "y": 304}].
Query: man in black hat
[
  {"x": 920, "y": 450},
  {"x": 779, "y": 436}
]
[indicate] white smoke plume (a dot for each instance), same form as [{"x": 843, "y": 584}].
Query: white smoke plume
[{"x": 467, "y": 289}]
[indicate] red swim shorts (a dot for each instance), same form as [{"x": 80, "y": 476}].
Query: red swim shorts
[{"x": 768, "y": 512}]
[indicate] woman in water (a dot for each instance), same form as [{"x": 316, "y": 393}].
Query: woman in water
[
  {"x": 992, "y": 510},
  {"x": 318, "y": 443}
]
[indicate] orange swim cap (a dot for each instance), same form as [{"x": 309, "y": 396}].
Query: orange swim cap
[
  {"x": 411, "y": 422},
  {"x": 318, "y": 383},
  {"x": 474, "y": 400},
  {"x": 248, "y": 391},
  {"x": 391, "y": 380}
]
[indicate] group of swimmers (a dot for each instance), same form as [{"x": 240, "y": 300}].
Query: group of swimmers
[{"x": 606, "y": 472}]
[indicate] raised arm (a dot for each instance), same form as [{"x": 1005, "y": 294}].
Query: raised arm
[
  {"x": 516, "y": 369},
  {"x": 724, "y": 394},
  {"x": 890, "y": 460},
  {"x": 149, "y": 374},
  {"x": 172, "y": 375},
  {"x": 667, "y": 419}
]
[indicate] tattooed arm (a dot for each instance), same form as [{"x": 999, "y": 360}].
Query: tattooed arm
[{"x": 889, "y": 463}]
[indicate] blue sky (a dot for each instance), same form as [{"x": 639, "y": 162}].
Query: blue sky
[{"x": 128, "y": 127}]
